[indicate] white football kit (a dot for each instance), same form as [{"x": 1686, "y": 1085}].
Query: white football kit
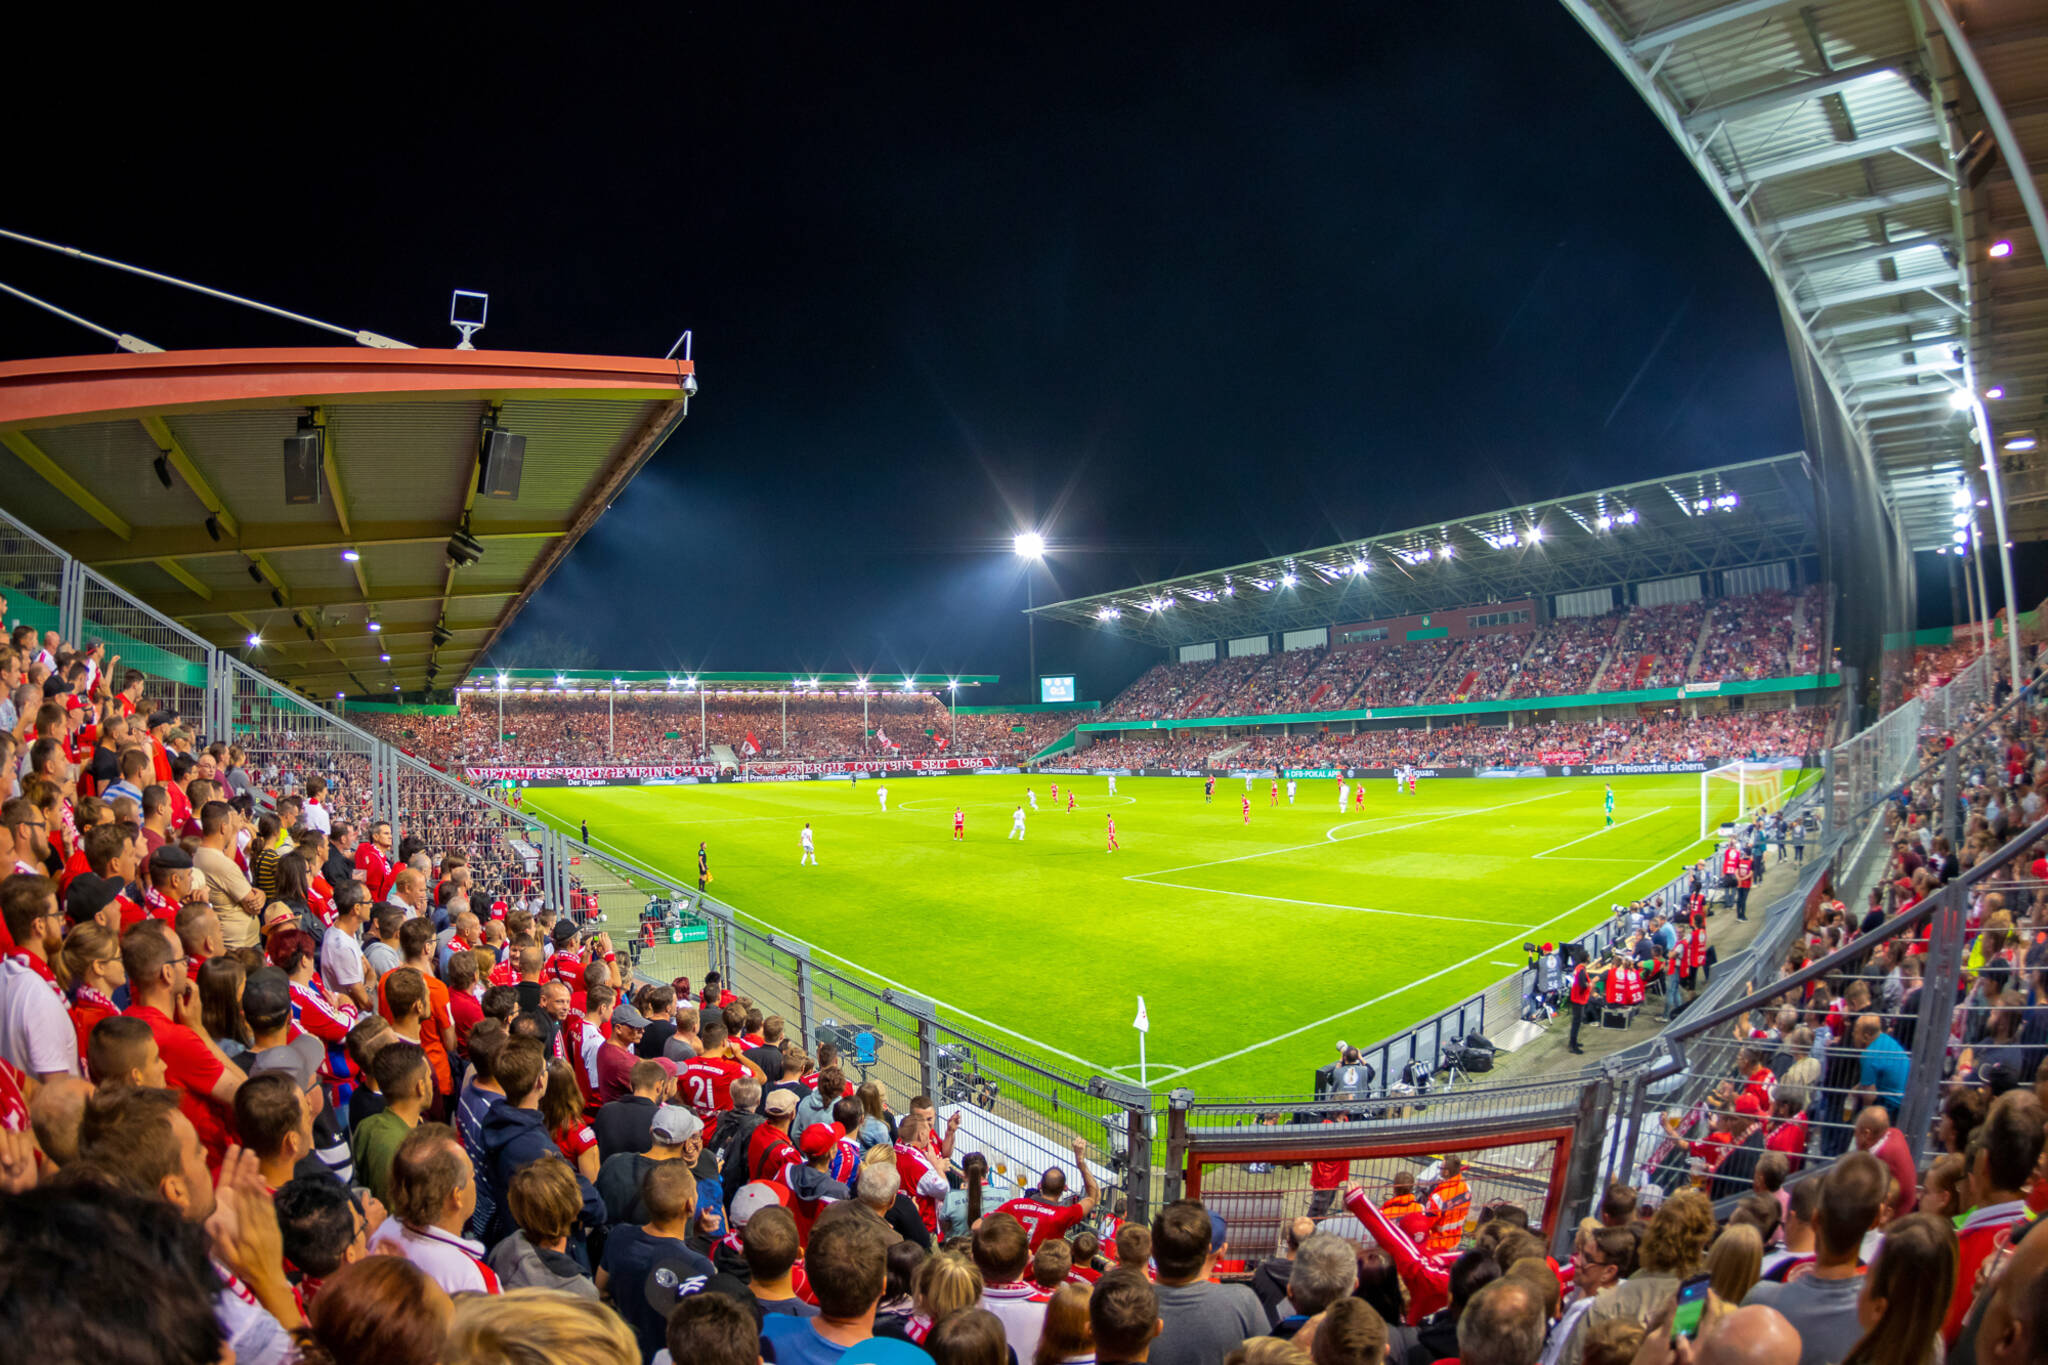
[
  {"x": 1290, "y": 791},
  {"x": 810, "y": 854},
  {"x": 1112, "y": 784},
  {"x": 1017, "y": 825},
  {"x": 882, "y": 795},
  {"x": 1032, "y": 792},
  {"x": 1343, "y": 792}
]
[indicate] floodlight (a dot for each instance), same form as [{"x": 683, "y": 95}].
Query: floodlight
[
  {"x": 466, "y": 314},
  {"x": 213, "y": 527},
  {"x": 351, "y": 556},
  {"x": 1996, "y": 391},
  {"x": 1287, "y": 579},
  {"x": 1960, "y": 519},
  {"x": 375, "y": 626},
  {"x": 2000, "y": 249},
  {"x": 1029, "y": 544},
  {"x": 1960, "y": 498},
  {"x": 464, "y": 549},
  {"x": 2022, "y": 442},
  {"x": 383, "y": 658},
  {"x": 442, "y": 635},
  {"x": 1444, "y": 552},
  {"x": 1983, "y": 502},
  {"x": 337, "y": 696},
  {"x": 1363, "y": 566},
  {"x": 909, "y": 686},
  {"x": 1230, "y": 590},
  {"x": 1960, "y": 537},
  {"x": 1535, "y": 534},
  {"x": 254, "y": 640},
  {"x": 1959, "y": 400},
  {"x": 1604, "y": 523},
  {"x": 162, "y": 465}
]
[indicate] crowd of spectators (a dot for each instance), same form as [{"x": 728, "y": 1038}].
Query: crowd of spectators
[
  {"x": 1748, "y": 637},
  {"x": 1566, "y": 656},
  {"x": 664, "y": 728},
  {"x": 1654, "y": 646},
  {"x": 1725, "y": 735}
]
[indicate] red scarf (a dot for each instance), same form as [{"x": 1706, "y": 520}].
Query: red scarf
[
  {"x": 161, "y": 906},
  {"x": 87, "y": 997}
]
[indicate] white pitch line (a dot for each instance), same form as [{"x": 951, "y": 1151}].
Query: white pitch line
[
  {"x": 1483, "y": 954},
  {"x": 1605, "y": 829},
  {"x": 1327, "y": 838},
  {"x": 871, "y": 973},
  {"x": 1327, "y": 905}
]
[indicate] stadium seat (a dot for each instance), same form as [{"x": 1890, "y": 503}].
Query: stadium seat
[{"x": 867, "y": 1050}]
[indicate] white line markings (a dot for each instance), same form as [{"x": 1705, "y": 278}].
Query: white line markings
[
  {"x": 1327, "y": 905},
  {"x": 1605, "y": 829},
  {"x": 1484, "y": 954}
]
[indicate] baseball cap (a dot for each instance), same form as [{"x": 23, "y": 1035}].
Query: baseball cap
[
  {"x": 88, "y": 895},
  {"x": 1219, "y": 1231},
  {"x": 625, "y": 1016},
  {"x": 170, "y": 858},
  {"x": 820, "y": 1138},
  {"x": 563, "y": 932},
  {"x": 672, "y": 1124},
  {"x": 1749, "y": 1105},
  {"x": 669, "y": 1064},
  {"x": 1416, "y": 1225},
  {"x": 751, "y": 1199},
  {"x": 157, "y": 718},
  {"x": 267, "y": 994},
  {"x": 300, "y": 1058},
  {"x": 780, "y": 1103}
]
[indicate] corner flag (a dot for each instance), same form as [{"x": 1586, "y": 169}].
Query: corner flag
[{"x": 1141, "y": 1023}]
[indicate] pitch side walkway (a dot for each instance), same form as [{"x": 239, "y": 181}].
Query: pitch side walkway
[{"x": 1550, "y": 1055}]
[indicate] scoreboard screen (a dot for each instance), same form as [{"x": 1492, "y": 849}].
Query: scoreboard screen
[{"x": 1056, "y": 689}]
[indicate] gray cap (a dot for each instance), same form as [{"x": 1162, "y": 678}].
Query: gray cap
[
  {"x": 674, "y": 1125},
  {"x": 625, "y": 1016},
  {"x": 300, "y": 1058}
]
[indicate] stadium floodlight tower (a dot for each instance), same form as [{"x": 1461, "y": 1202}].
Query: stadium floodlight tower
[
  {"x": 1030, "y": 547},
  {"x": 1757, "y": 787}
]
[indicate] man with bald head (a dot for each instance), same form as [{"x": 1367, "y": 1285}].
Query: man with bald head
[
  {"x": 1875, "y": 1135},
  {"x": 1750, "y": 1336},
  {"x": 1503, "y": 1325},
  {"x": 55, "y": 1114},
  {"x": 1269, "y": 1280}
]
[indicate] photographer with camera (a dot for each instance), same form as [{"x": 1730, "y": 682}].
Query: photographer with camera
[
  {"x": 1541, "y": 1001},
  {"x": 1350, "y": 1077}
]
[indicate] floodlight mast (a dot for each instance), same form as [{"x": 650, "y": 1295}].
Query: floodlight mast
[{"x": 1030, "y": 547}]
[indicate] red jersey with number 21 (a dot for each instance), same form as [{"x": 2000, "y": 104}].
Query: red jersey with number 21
[
  {"x": 1043, "y": 1220},
  {"x": 707, "y": 1084}
]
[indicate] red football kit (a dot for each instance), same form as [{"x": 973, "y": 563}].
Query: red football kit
[{"x": 706, "y": 1084}]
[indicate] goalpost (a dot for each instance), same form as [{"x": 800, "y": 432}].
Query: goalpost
[{"x": 1735, "y": 791}]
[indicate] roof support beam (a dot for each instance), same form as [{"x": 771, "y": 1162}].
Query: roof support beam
[
  {"x": 1883, "y": 289},
  {"x": 1834, "y": 154},
  {"x": 330, "y": 465},
  {"x": 1795, "y": 92},
  {"x": 1856, "y": 255},
  {"x": 1857, "y": 208},
  {"x": 102, "y": 550},
  {"x": 229, "y": 603},
  {"x": 184, "y": 576},
  {"x": 37, "y": 459},
  {"x": 1704, "y": 23},
  {"x": 160, "y": 432}
]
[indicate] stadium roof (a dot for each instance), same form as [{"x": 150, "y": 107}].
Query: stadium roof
[
  {"x": 1740, "y": 514},
  {"x": 1839, "y": 139},
  {"x": 686, "y": 681},
  {"x": 165, "y": 472}
]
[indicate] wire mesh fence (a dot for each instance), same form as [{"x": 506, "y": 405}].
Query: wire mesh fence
[
  {"x": 177, "y": 663},
  {"x": 285, "y": 740},
  {"x": 32, "y": 578}
]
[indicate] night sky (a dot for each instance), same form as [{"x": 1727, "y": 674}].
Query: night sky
[{"x": 1181, "y": 287}]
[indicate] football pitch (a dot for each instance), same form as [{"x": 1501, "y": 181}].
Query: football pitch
[{"x": 1256, "y": 945}]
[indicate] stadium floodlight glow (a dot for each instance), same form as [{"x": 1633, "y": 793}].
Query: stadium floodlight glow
[
  {"x": 1983, "y": 502},
  {"x": 254, "y": 640},
  {"x": 1444, "y": 550},
  {"x": 351, "y": 556},
  {"x": 1960, "y": 400},
  {"x": 1287, "y": 579},
  {"x": 1960, "y": 498},
  {"x": 383, "y": 658},
  {"x": 1108, "y": 614},
  {"x": 1535, "y": 534},
  {"x": 2000, "y": 249},
  {"x": 375, "y": 625},
  {"x": 1996, "y": 391},
  {"x": 1029, "y": 544},
  {"x": 337, "y": 696},
  {"x": 1960, "y": 537},
  {"x": 909, "y": 685},
  {"x": 1604, "y": 522},
  {"x": 2026, "y": 442},
  {"x": 1362, "y": 567},
  {"x": 1960, "y": 519},
  {"x": 1230, "y": 589}
]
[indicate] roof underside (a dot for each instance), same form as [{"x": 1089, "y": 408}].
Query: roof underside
[
  {"x": 1830, "y": 132},
  {"x": 1736, "y": 515},
  {"x": 80, "y": 440}
]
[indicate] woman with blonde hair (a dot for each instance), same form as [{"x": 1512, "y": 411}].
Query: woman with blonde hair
[
  {"x": 1066, "y": 1338},
  {"x": 947, "y": 1283},
  {"x": 1906, "y": 1294},
  {"x": 1735, "y": 1263},
  {"x": 523, "y": 1326},
  {"x": 876, "y": 1127},
  {"x": 91, "y": 964},
  {"x": 1266, "y": 1351}
]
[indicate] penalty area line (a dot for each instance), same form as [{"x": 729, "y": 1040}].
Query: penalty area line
[
  {"x": 1484, "y": 954},
  {"x": 1147, "y": 879},
  {"x": 1605, "y": 829}
]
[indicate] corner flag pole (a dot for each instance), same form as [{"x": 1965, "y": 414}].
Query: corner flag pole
[{"x": 1143, "y": 1026}]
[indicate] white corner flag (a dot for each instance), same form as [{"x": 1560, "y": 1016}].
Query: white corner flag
[{"x": 1144, "y": 1026}]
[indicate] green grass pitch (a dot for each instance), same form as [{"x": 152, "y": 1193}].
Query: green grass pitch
[{"x": 1255, "y": 946}]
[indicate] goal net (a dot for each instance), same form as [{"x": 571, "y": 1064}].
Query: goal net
[{"x": 1737, "y": 792}]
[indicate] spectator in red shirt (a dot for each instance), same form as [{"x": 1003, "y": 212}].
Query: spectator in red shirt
[
  {"x": 1875, "y": 1135},
  {"x": 615, "y": 1059},
  {"x": 2012, "y": 1142},
  {"x": 463, "y": 1005},
  {"x": 166, "y": 999},
  {"x": 373, "y": 860},
  {"x": 1046, "y": 1212}
]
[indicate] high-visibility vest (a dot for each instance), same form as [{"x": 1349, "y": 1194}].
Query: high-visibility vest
[
  {"x": 1400, "y": 1206},
  {"x": 1627, "y": 986},
  {"x": 1582, "y": 984},
  {"x": 1448, "y": 1209}
]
